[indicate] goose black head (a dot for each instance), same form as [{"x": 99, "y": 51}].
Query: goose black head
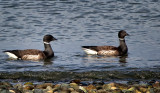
[
  {"x": 122, "y": 34},
  {"x": 48, "y": 38}
]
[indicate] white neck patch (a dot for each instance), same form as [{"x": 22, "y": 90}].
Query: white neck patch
[
  {"x": 46, "y": 43},
  {"x": 121, "y": 38}
]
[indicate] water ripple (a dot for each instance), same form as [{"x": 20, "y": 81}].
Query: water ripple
[{"x": 77, "y": 23}]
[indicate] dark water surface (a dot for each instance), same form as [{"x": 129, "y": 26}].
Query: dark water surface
[{"x": 23, "y": 23}]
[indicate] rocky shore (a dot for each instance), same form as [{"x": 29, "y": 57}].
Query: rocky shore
[{"x": 78, "y": 86}]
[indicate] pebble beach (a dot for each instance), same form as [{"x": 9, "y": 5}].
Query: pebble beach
[{"x": 78, "y": 86}]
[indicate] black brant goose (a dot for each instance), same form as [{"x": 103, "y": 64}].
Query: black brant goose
[
  {"x": 109, "y": 50},
  {"x": 34, "y": 54}
]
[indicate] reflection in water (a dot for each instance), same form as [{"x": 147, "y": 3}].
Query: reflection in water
[
  {"x": 49, "y": 61},
  {"x": 89, "y": 58},
  {"x": 106, "y": 62},
  {"x": 122, "y": 59}
]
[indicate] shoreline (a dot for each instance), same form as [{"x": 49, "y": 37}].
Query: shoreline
[
  {"x": 80, "y": 82},
  {"x": 78, "y": 86},
  {"x": 84, "y": 76}
]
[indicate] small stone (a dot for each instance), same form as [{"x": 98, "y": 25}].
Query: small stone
[
  {"x": 117, "y": 91},
  {"x": 101, "y": 91},
  {"x": 77, "y": 81},
  {"x": 5, "y": 85},
  {"x": 28, "y": 83},
  {"x": 90, "y": 87},
  {"x": 49, "y": 88},
  {"x": 71, "y": 89},
  {"x": 57, "y": 86},
  {"x": 142, "y": 89},
  {"x": 122, "y": 86},
  {"x": 38, "y": 91},
  {"x": 14, "y": 90},
  {"x": 55, "y": 89},
  {"x": 109, "y": 86},
  {"x": 132, "y": 89},
  {"x": 113, "y": 88},
  {"x": 156, "y": 84},
  {"x": 74, "y": 86},
  {"x": 64, "y": 87},
  {"x": 27, "y": 91},
  {"x": 44, "y": 86},
  {"x": 74, "y": 92},
  {"x": 4, "y": 91},
  {"x": 28, "y": 87},
  {"x": 18, "y": 86},
  {"x": 137, "y": 91},
  {"x": 98, "y": 83},
  {"x": 82, "y": 89}
]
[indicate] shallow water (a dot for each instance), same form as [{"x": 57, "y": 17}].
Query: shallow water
[{"x": 76, "y": 23}]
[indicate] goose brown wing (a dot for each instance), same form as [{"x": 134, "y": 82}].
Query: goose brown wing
[
  {"x": 99, "y": 48},
  {"x": 21, "y": 53}
]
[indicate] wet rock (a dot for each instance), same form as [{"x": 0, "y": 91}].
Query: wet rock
[
  {"x": 74, "y": 86},
  {"x": 4, "y": 91},
  {"x": 90, "y": 87},
  {"x": 27, "y": 91},
  {"x": 156, "y": 85},
  {"x": 122, "y": 86},
  {"x": 13, "y": 90},
  {"x": 132, "y": 89},
  {"x": 28, "y": 86},
  {"x": 133, "y": 82},
  {"x": 98, "y": 83},
  {"x": 142, "y": 89},
  {"x": 37, "y": 91},
  {"x": 49, "y": 89},
  {"x": 77, "y": 81},
  {"x": 151, "y": 82},
  {"x": 117, "y": 91},
  {"x": 5, "y": 85},
  {"x": 150, "y": 90},
  {"x": 18, "y": 86},
  {"x": 64, "y": 86},
  {"x": 74, "y": 92},
  {"x": 44, "y": 86},
  {"x": 101, "y": 91},
  {"x": 82, "y": 89},
  {"x": 28, "y": 83},
  {"x": 110, "y": 86}
]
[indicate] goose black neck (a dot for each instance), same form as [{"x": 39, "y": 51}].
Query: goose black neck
[
  {"x": 48, "y": 50},
  {"x": 122, "y": 46}
]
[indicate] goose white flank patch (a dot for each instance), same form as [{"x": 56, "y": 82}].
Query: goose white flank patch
[
  {"x": 122, "y": 49},
  {"x": 34, "y": 54},
  {"x": 90, "y": 51},
  {"x": 11, "y": 55}
]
